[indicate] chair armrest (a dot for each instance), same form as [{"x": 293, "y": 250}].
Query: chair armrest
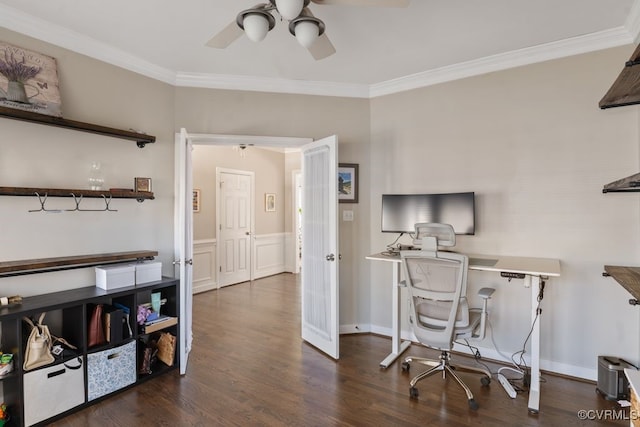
[{"x": 486, "y": 293}]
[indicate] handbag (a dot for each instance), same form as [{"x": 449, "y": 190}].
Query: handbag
[
  {"x": 149, "y": 356},
  {"x": 38, "y": 348},
  {"x": 96, "y": 327},
  {"x": 166, "y": 348}
]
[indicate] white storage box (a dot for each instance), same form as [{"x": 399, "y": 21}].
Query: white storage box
[
  {"x": 53, "y": 390},
  {"x": 115, "y": 276},
  {"x": 148, "y": 271},
  {"x": 110, "y": 370}
]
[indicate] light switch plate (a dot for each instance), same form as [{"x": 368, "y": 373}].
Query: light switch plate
[{"x": 347, "y": 215}]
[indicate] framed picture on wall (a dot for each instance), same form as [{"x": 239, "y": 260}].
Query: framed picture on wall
[
  {"x": 142, "y": 184},
  {"x": 348, "y": 182},
  {"x": 28, "y": 81},
  {"x": 270, "y": 202},
  {"x": 196, "y": 200}
]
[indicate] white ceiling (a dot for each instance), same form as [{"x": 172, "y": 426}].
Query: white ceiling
[{"x": 379, "y": 50}]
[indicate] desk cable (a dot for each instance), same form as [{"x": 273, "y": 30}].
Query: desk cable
[
  {"x": 523, "y": 364},
  {"x": 390, "y": 247},
  {"x": 520, "y": 367}
]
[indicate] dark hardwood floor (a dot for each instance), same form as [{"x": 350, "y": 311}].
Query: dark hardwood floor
[{"x": 249, "y": 367}]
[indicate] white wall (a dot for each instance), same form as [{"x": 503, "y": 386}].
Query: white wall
[{"x": 533, "y": 145}]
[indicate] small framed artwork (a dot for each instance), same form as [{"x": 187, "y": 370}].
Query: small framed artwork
[
  {"x": 143, "y": 184},
  {"x": 348, "y": 182},
  {"x": 270, "y": 202},
  {"x": 28, "y": 81},
  {"x": 196, "y": 200}
]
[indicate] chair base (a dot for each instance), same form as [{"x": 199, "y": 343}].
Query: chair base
[{"x": 443, "y": 365}]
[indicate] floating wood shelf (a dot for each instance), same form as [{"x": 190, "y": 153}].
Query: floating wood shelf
[
  {"x": 628, "y": 277},
  {"x": 141, "y": 139},
  {"x": 62, "y": 192},
  {"x": 629, "y": 184},
  {"x": 43, "y": 265},
  {"x": 626, "y": 88}
]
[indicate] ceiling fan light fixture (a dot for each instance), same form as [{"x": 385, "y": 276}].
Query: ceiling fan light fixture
[
  {"x": 306, "y": 29},
  {"x": 307, "y": 33},
  {"x": 256, "y": 23},
  {"x": 290, "y": 9}
]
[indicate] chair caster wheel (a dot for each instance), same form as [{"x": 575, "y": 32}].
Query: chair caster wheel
[
  {"x": 405, "y": 366},
  {"x": 485, "y": 381},
  {"x": 473, "y": 405},
  {"x": 413, "y": 393}
]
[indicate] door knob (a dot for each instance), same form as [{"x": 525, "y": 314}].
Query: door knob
[
  {"x": 248, "y": 233},
  {"x": 331, "y": 257}
]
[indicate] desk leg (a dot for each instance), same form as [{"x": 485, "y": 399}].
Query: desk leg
[
  {"x": 397, "y": 346},
  {"x": 534, "y": 387}
]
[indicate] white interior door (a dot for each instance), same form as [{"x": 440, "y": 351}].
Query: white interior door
[
  {"x": 183, "y": 237},
  {"x": 234, "y": 217},
  {"x": 320, "y": 323}
]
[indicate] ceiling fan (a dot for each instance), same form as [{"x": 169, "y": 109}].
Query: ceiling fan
[{"x": 308, "y": 30}]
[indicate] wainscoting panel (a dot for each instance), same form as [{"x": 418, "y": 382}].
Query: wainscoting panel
[
  {"x": 204, "y": 265},
  {"x": 269, "y": 255},
  {"x": 268, "y": 259}
]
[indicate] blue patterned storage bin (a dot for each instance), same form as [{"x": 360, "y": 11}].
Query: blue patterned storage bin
[{"x": 111, "y": 370}]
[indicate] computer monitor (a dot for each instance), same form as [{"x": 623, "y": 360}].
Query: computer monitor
[{"x": 400, "y": 212}]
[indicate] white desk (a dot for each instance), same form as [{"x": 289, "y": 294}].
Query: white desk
[{"x": 533, "y": 268}]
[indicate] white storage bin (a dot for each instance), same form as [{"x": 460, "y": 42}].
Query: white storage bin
[
  {"x": 148, "y": 271},
  {"x": 115, "y": 276},
  {"x": 110, "y": 370},
  {"x": 53, "y": 390}
]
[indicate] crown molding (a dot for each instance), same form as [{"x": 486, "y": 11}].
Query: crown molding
[
  {"x": 265, "y": 84},
  {"x": 560, "y": 49},
  {"x": 20, "y": 22}
]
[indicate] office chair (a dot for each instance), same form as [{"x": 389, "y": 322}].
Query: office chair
[{"x": 439, "y": 311}]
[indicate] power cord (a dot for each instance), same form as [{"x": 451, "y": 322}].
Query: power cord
[{"x": 390, "y": 247}]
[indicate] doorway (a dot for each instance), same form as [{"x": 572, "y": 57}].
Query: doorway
[
  {"x": 270, "y": 248},
  {"x": 320, "y": 323}
]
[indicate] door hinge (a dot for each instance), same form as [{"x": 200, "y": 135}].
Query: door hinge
[{"x": 220, "y": 269}]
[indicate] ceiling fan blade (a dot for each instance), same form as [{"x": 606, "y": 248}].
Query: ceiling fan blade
[
  {"x": 375, "y": 3},
  {"x": 228, "y": 35},
  {"x": 322, "y": 48}
]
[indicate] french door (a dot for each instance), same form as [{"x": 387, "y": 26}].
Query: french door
[
  {"x": 320, "y": 324},
  {"x": 183, "y": 241}
]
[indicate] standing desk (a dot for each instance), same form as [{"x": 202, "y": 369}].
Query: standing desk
[{"x": 534, "y": 270}]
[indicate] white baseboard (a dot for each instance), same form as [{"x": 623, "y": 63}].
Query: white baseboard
[
  {"x": 354, "y": 329},
  {"x": 204, "y": 288}
]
